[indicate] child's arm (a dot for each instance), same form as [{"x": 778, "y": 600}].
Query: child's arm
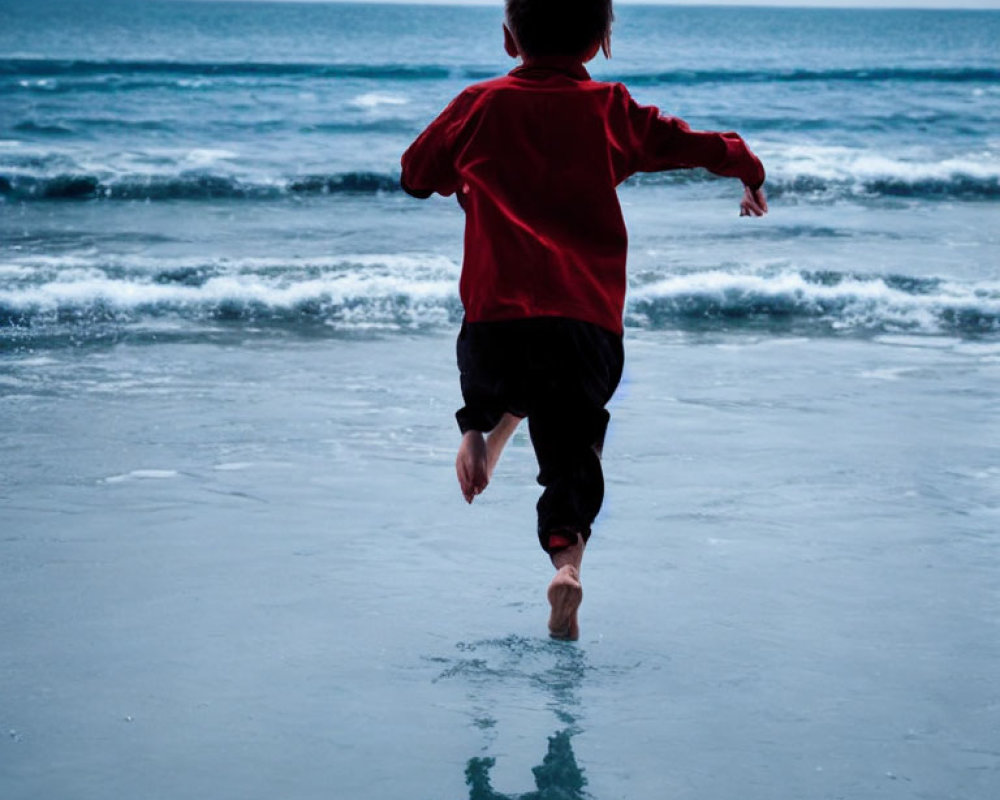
[
  {"x": 428, "y": 164},
  {"x": 426, "y": 167},
  {"x": 657, "y": 143}
]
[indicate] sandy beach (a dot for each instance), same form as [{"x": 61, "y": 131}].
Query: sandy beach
[{"x": 242, "y": 571}]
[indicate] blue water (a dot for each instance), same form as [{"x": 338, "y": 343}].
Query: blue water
[
  {"x": 234, "y": 562},
  {"x": 126, "y": 124}
]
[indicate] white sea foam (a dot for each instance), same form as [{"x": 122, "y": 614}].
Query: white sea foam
[
  {"x": 15, "y": 271},
  {"x": 837, "y": 163},
  {"x": 356, "y": 294},
  {"x": 887, "y": 373},
  {"x": 370, "y": 100},
  {"x": 158, "y": 173},
  {"x": 365, "y": 291},
  {"x": 36, "y": 361},
  {"x": 40, "y": 83},
  {"x": 143, "y": 474},
  {"x": 978, "y": 349},
  {"x": 204, "y": 156},
  {"x": 239, "y": 288},
  {"x": 852, "y": 302},
  {"x": 394, "y": 263},
  {"x": 939, "y": 342}
]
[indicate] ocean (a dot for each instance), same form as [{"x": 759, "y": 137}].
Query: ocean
[{"x": 234, "y": 560}]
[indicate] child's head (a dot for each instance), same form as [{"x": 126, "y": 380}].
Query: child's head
[{"x": 560, "y": 27}]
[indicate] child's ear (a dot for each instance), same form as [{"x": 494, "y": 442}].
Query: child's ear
[
  {"x": 509, "y": 44},
  {"x": 602, "y": 45}
]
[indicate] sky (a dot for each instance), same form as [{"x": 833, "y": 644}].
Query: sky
[
  {"x": 992, "y": 4},
  {"x": 984, "y": 4}
]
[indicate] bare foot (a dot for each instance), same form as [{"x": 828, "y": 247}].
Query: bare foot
[
  {"x": 565, "y": 596},
  {"x": 470, "y": 465},
  {"x": 477, "y": 457},
  {"x": 566, "y": 591},
  {"x": 497, "y": 440}
]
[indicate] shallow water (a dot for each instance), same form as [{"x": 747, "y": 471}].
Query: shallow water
[{"x": 244, "y": 569}]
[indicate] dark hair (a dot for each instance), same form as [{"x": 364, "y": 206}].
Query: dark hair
[{"x": 559, "y": 27}]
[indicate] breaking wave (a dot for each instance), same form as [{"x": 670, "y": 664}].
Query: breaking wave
[
  {"x": 817, "y": 301},
  {"x": 945, "y": 181},
  {"x": 412, "y": 293},
  {"x": 188, "y": 186}
]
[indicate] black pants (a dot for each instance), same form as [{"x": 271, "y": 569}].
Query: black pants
[{"x": 559, "y": 373}]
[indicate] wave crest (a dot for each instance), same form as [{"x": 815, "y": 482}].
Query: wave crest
[
  {"x": 187, "y": 186},
  {"x": 420, "y": 292},
  {"x": 22, "y": 187},
  {"x": 24, "y": 69},
  {"x": 817, "y": 301}
]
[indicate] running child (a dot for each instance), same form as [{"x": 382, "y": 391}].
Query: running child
[{"x": 534, "y": 158}]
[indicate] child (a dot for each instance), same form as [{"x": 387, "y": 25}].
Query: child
[{"x": 535, "y": 158}]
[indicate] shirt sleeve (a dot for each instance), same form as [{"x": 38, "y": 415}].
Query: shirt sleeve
[
  {"x": 660, "y": 143},
  {"x": 429, "y": 163}
]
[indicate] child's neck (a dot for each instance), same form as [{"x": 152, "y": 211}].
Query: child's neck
[{"x": 562, "y": 62}]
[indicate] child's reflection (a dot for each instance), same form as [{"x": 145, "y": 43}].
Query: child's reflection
[{"x": 558, "y": 777}]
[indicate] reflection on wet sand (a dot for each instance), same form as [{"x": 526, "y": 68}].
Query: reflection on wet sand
[
  {"x": 557, "y": 670},
  {"x": 558, "y": 777}
]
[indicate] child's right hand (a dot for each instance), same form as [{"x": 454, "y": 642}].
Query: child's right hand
[{"x": 754, "y": 203}]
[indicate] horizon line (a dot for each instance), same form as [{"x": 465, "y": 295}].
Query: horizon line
[{"x": 857, "y": 5}]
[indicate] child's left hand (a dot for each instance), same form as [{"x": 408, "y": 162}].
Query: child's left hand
[{"x": 754, "y": 203}]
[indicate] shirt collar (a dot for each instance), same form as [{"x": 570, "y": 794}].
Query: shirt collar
[{"x": 545, "y": 66}]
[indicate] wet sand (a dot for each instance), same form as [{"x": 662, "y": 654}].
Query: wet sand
[{"x": 244, "y": 569}]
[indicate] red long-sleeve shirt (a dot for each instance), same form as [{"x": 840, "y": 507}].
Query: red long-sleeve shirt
[{"x": 535, "y": 157}]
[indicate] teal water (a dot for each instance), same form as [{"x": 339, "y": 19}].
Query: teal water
[
  {"x": 180, "y": 164},
  {"x": 234, "y": 562}
]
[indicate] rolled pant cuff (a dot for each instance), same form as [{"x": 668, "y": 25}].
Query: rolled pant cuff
[
  {"x": 564, "y": 537},
  {"x": 470, "y": 420}
]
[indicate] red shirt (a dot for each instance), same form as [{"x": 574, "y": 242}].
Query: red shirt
[{"x": 535, "y": 157}]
